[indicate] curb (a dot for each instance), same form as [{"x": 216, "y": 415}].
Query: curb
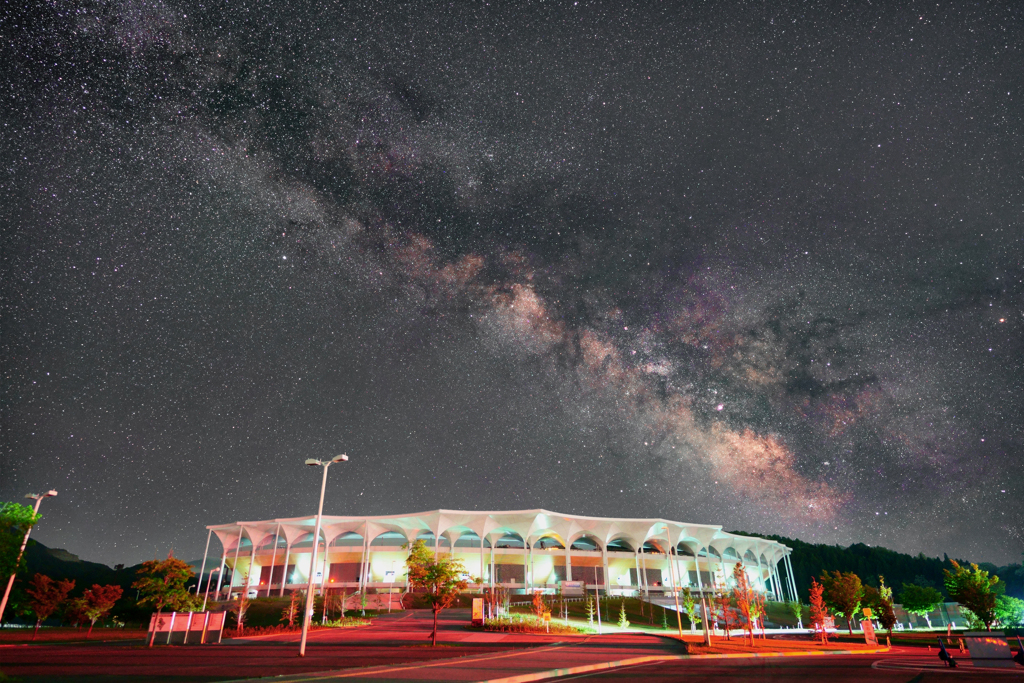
[{"x": 651, "y": 659}]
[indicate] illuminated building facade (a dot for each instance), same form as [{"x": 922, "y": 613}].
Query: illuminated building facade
[{"x": 522, "y": 550}]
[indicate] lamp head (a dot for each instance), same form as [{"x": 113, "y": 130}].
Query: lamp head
[
  {"x": 31, "y": 495},
  {"x": 51, "y": 492},
  {"x": 313, "y": 462},
  {"x": 340, "y": 458}
]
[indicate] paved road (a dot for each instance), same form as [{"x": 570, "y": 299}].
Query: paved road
[
  {"x": 903, "y": 665},
  {"x": 400, "y": 643}
]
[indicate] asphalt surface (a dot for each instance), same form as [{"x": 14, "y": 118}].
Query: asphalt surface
[{"x": 396, "y": 648}]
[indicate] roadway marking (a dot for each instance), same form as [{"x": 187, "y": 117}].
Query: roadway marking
[{"x": 932, "y": 664}]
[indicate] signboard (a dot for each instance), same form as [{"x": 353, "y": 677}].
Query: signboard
[
  {"x": 869, "y": 631},
  {"x": 478, "y": 611},
  {"x": 187, "y": 628},
  {"x": 867, "y": 612},
  {"x": 989, "y": 649},
  {"x": 572, "y": 588},
  {"x": 830, "y": 623},
  {"x": 389, "y": 576}
]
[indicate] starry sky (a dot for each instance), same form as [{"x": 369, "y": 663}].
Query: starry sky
[{"x": 752, "y": 264}]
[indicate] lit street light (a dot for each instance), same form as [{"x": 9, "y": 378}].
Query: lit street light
[
  {"x": 312, "y": 462},
  {"x": 38, "y": 497},
  {"x": 208, "y": 582}
]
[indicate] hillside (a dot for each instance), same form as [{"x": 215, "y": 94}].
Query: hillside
[{"x": 868, "y": 562}]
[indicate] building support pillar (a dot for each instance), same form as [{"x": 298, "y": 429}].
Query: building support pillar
[
  {"x": 366, "y": 551},
  {"x": 273, "y": 560},
  {"x": 248, "y": 574},
  {"x": 792, "y": 579},
  {"x": 234, "y": 569},
  {"x": 284, "y": 570},
  {"x": 568, "y": 563},
  {"x": 607, "y": 579},
  {"x": 202, "y": 569},
  {"x": 220, "y": 574}
]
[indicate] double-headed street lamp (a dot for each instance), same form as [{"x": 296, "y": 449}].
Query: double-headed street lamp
[
  {"x": 38, "y": 497},
  {"x": 312, "y": 462},
  {"x": 208, "y": 582}
]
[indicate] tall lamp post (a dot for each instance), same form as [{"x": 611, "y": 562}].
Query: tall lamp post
[
  {"x": 208, "y": 582},
  {"x": 312, "y": 462},
  {"x": 38, "y": 497}
]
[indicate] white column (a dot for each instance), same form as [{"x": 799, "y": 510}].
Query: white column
[
  {"x": 526, "y": 561},
  {"x": 202, "y": 569},
  {"x": 323, "y": 571},
  {"x": 780, "y": 589},
  {"x": 696, "y": 563},
  {"x": 252, "y": 562},
  {"x": 643, "y": 565},
  {"x": 220, "y": 574},
  {"x": 760, "y": 572},
  {"x": 532, "y": 578},
  {"x": 284, "y": 573},
  {"x": 482, "y": 572},
  {"x": 568, "y": 563},
  {"x": 492, "y": 564},
  {"x": 362, "y": 560},
  {"x": 636, "y": 564},
  {"x": 792, "y": 579},
  {"x": 234, "y": 570},
  {"x": 607, "y": 579},
  {"x": 273, "y": 561}
]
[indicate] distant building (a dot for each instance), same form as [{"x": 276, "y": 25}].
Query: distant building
[{"x": 522, "y": 550}]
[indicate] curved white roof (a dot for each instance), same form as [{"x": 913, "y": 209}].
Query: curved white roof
[{"x": 530, "y": 525}]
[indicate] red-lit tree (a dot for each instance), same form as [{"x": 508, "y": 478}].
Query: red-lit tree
[
  {"x": 99, "y": 600},
  {"x": 818, "y": 610},
  {"x": 441, "y": 577},
  {"x": 844, "y": 593},
  {"x": 724, "y": 602},
  {"x": 161, "y": 584},
  {"x": 45, "y": 595},
  {"x": 746, "y": 600}
]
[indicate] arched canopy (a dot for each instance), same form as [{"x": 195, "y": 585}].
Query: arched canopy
[{"x": 514, "y": 529}]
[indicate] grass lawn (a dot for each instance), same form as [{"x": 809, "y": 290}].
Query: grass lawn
[{"x": 51, "y": 634}]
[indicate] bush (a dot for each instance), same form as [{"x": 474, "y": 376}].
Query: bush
[{"x": 529, "y": 623}]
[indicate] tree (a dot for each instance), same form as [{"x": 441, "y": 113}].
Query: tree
[
  {"x": 797, "y": 610},
  {"x": 75, "y": 611},
  {"x": 99, "y": 600},
  {"x": 819, "y": 611},
  {"x": 724, "y": 602},
  {"x": 589, "y": 607},
  {"x": 843, "y": 592},
  {"x": 291, "y": 611},
  {"x": 920, "y": 600},
  {"x": 886, "y": 613},
  {"x": 241, "y": 605},
  {"x": 1009, "y": 611},
  {"x": 45, "y": 595},
  {"x": 161, "y": 583},
  {"x": 15, "y": 521},
  {"x": 746, "y": 599},
  {"x": 974, "y": 589},
  {"x": 538, "y": 605},
  {"x": 441, "y": 577},
  {"x": 690, "y": 604},
  {"x": 623, "y": 621}
]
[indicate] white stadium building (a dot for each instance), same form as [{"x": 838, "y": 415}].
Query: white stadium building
[{"x": 521, "y": 550}]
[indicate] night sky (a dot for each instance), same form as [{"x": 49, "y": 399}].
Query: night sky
[{"x": 751, "y": 264}]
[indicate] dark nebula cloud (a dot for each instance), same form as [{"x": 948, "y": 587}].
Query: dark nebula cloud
[{"x": 758, "y": 266}]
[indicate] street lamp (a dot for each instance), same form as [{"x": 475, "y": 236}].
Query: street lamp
[
  {"x": 38, "y": 497},
  {"x": 208, "y": 582},
  {"x": 312, "y": 462}
]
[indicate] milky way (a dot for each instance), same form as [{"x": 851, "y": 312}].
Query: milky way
[{"x": 758, "y": 267}]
